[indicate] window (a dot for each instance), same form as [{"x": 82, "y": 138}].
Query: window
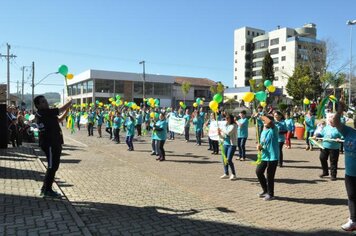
[
  {"x": 248, "y": 32},
  {"x": 253, "y": 33},
  {"x": 85, "y": 87},
  {"x": 235, "y": 52},
  {"x": 74, "y": 89},
  {"x": 257, "y": 64},
  {"x": 90, "y": 86},
  {"x": 148, "y": 89},
  {"x": 274, "y": 51},
  {"x": 79, "y": 89},
  {"x": 259, "y": 55},
  {"x": 235, "y": 77},
  {"x": 119, "y": 86},
  {"x": 274, "y": 41},
  {"x": 283, "y": 48},
  {"x": 258, "y": 34},
  {"x": 235, "y": 97},
  {"x": 138, "y": 86},
  {"x": 275, "y": 60},
  {"x": 162, "y": 89},
  {"x": 104, "y": 86},
  {"x": 283, "y": 58},
  {"x": 276, "y": 78},
  {"x": 235, "y": 60},
  {"x": 70, "y": 91},
  {"x": 235, "y": 69},
  {"x": 299, "y": 46},
  {"x": 242, "y": 48},
  {"x": 261, "y": 44},
  {"x": 276, "y": 68}
]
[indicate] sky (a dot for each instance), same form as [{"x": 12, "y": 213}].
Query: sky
[{"x": 191, "y": 38}]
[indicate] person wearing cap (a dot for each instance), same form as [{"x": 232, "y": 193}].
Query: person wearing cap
[
  {"x": 242, "y": 134},
  {"x": 282, "y": 130},
  {"x": 270, "y": 155},
  {"x": 160, "y": 128},
  {"x": 349, "y": 135},
  {"x": 229, "y": 136},
  {"x": 50, "y": 139}
]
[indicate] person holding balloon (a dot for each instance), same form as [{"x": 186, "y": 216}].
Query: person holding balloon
[
  {"x": 198, "y": 126},
  {"x": 100, "y": 120},
  {"x": 154, "y": 138},
  {"x": 117, "y": 125},
  {"x": 229, "y": 136},
  {"x": 270, "y": 154},
  {"x": 186, "y": 125},
  {"x": 91, "y": 121}
]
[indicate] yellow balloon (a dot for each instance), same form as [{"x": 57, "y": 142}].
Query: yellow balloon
[
  {"x": 134, "y": 106},
  {"x": 101, "y": 104},
  {"x": 195, "y": 104},
  {"x": 110, "y": 99},
  {"x": 306, "y": 101},
  {"x": 152, "y": 115},
  {"x": 213, "y": 106},
  {"x": 151, "y": 101},
  {"x": 125, "y": 103},
  {"x": 113, "y": 103},
  {"x": 69, "y": 76},
  {"x": 263, "y": 104},
  {"x": 181, "y": 103},
  {"x": 201, "y": 102},
  {"x": 271, "y": 89},
  {"x": 248, "y": 97}
]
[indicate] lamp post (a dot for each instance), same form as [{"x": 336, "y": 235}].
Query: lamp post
[
  {"x": 34, "y": 85},
  {"x": 143, "y": 79},
  {"x": 350, "y": 23}
]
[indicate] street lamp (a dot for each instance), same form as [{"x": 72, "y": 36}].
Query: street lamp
[
  {"x": 144, "y": 80},
  {"x": 350, "y": 23},
  {"x": 34, "y": 85}
]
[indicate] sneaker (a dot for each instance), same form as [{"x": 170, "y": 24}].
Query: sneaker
[
  {"x": 225, "y": 176},
  {"x": 268, "y": 197},
  {"x": 233, "y": 177},
  {"x": 307, "y": 148},
  {"x": 323, "y": 175},
  {"x": 51, "y": 193},
  {"x": 333, "y": 178},
  {"x": 262, "y": 195},
  {"x": 153, "y": 153},
  {"x": 349, "y": 226}
]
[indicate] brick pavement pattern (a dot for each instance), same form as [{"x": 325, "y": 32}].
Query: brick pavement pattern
[{"x": 116, "y": 192}]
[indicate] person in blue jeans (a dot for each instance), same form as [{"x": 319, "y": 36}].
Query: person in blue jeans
[
  {"x": 198, "y": 125},
  {"x": 130, "y": 132},
  {"x": 161, "y": 131},
  {"x": 242, "y": 134},
  {"x": 229, "y": 136},
  {"x": 270, "y": 154},
  {"x": 309, "y": 123},
  {"x": 282, "y": 130},
  {"x": 349, "y": 135}
]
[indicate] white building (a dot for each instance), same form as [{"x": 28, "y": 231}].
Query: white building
[
  {"x": 287, "y": 47},
  {"x": 92, "y": 85}
]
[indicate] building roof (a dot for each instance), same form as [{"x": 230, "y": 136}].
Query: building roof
[
  {"x": 116, "y": 75},
  {"x": 194, "y": 81}
]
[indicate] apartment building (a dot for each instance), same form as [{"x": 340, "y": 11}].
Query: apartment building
[{"x": 287, "y": 47}]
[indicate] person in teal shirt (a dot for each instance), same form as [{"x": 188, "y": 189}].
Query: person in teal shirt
[
  {"x": 186, "y": 125},
  {"x": 198, "y": 126},
  {"x": 282, "y": 130},
  {"x": 100, "y": 121},
  {"x": 161, "y": 131},
  {"x": 290, "y": 129},
  {"x": 349, "y": 135},
  {"x": 331, "y": 148},
  {"x": 130, "y": 132},
  {"x": 242, "y": 134},
  {"x": 91, "y": 121},
  {"x": 270, "y": 155},
  {"x": 116, "y": 126},
  {"x": 309, "y": 123}
]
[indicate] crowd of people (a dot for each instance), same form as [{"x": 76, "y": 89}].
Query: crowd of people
[{"x": 274, "y": 131}]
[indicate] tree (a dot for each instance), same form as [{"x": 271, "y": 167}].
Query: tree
[
  {"x": 230, "y": 101},
  {"x": 333, "y": 79},
  {"x": 217, "y": 88},
  {"x": 185, "y": 89},
  {"x": 303, "y": 84},
  {"x": 267, "y": 68}
]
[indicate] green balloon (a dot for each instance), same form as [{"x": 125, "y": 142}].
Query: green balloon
[
  {"x": 63, "y": 70},
  {"x": 157, "y": 103},
  {"x": 267, "y": 83},
  {"x": 118, "y": 97},
  {"x": 27, "y": 116},
  {"x": 156, "y": 115},
  {"x": 261, "y": 96},
  {"x": 217, "y": 98},
  {"x": 198, "y": 101}
]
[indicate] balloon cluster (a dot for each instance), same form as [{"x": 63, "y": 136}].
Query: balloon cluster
[
  {"x": 260, "y": 96},
  {"x": 198, "y": 102},
  {"x": 63, "y": 70},
  {"x": 182, "y": 105},
  {"x": 132, "y": 105},
  {"x": 214, "y": 104},
  {"x": 151, "y": 102},
  {"x": 116, "y": 101}
]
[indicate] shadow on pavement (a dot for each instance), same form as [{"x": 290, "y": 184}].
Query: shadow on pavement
[
  {"x": 316, "y": 201},
  {"x": 192, "y": 161},
  {"x": 12, "y": 173}
]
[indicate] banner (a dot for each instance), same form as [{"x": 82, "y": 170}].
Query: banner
[
  {"x": 176, "y": 124},
  {"x": 213, "y": 129},
  {"x": 83, "y": 120}
]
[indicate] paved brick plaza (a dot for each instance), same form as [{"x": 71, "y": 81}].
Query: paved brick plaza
[{"x": 110, "y": 191}]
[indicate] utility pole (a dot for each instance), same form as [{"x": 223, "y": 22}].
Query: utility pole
[
  {"x": 17, "y": 89},
  {"x": 8, "y": 56},
  {"x": 33, "y": 85},
  {"x": 144, "y": 80},
  {"x": 23, "y": 82}
]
